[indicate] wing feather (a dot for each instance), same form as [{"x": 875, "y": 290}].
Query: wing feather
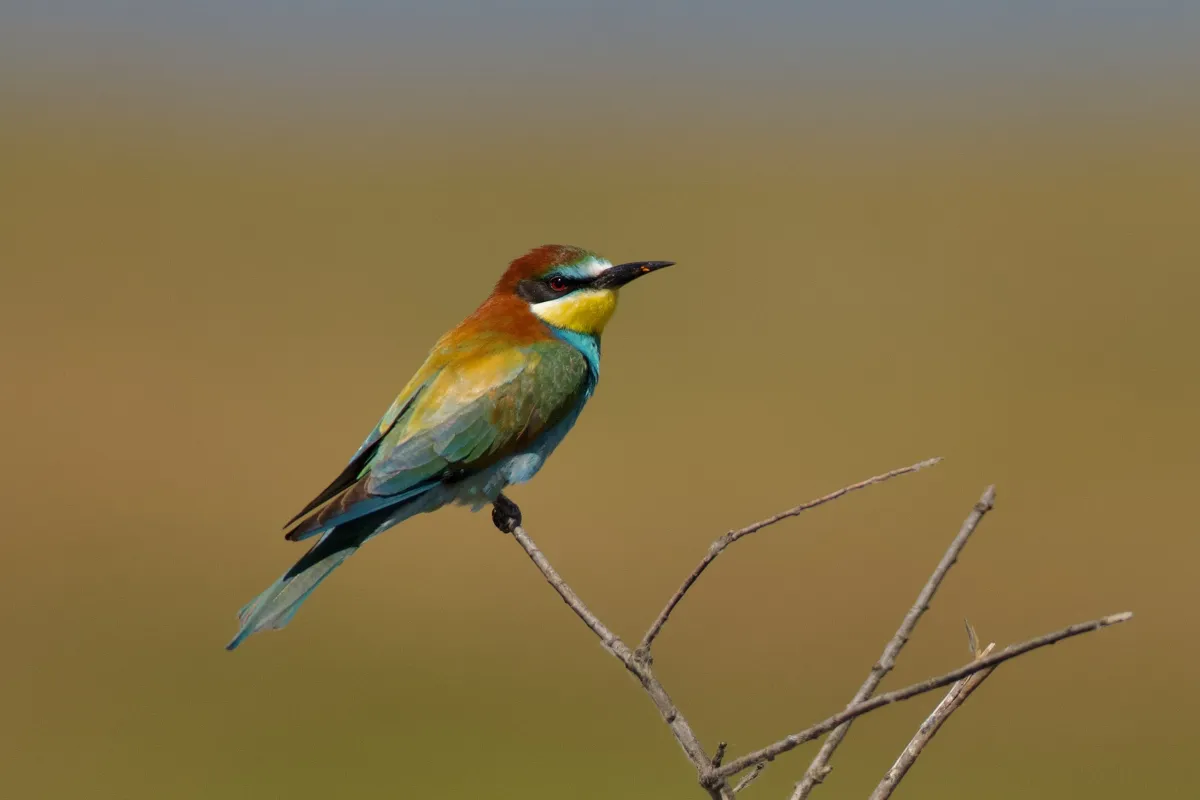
[
  {"x": 470, "y": 413},
  {"x": 362, "y": 457}
]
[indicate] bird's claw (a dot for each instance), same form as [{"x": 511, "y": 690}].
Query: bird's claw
[{"x": 506, "y": 515}]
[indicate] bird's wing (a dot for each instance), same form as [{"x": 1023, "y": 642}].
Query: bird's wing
[
  {"x": 472, "y": 410},
  {"x": 366, "y": 451}
]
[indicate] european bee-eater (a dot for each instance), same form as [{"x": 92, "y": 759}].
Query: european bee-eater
[{"x": 491, "y": 402}]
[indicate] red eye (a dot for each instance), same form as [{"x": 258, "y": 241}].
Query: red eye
[{"x": 558, "y": 283}]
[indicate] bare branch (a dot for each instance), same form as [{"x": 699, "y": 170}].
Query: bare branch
[
  {"x": 857, "y": 710},
  {"x": 714, "y": 550},
  {"x": 819, "y": 768},
  {"x": 953, "y": 700},
  {"x": 714, "y": 775},
  {"x": 749, "y": 779},
  {"x": 666, "y": 708}
]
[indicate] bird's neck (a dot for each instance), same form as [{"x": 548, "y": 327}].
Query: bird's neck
[
  {"x": 506, "y": 313},
  {"x": 586, "y": 343}
]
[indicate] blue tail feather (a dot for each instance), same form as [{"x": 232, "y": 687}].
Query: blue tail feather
[{"x": 276, "y": 606}]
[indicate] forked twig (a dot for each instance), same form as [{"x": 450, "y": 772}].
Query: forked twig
[
  {"x": 719, "y": 545},
  {"x": 953, "y": 700},
  {"x": 878, "y": 701},
  {"x": 714, "y": 775},
  {"x": 612, "y": 643},
  {"x": 819, "y": 768}
]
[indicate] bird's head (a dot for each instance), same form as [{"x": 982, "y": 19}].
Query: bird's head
[{"x": 571, "y": 288}]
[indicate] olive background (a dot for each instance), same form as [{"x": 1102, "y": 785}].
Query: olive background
[{"x": 223, "y": 250}]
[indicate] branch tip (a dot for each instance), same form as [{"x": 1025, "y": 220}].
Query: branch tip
[
  {"x": 718, "y": 546},
  {"x": 858, "y": 709},
  {"x": 751, "y": 778}
]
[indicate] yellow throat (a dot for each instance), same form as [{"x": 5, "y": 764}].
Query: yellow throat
[{"x": 586, "y": 311}]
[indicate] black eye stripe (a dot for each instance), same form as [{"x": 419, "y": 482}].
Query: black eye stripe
[{"x": 537, "y": 290}]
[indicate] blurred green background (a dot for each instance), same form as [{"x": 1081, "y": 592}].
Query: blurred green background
[{"x": 230, "y": 234}]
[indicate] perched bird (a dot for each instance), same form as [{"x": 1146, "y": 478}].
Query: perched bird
[{"x": 491, "y": 402}]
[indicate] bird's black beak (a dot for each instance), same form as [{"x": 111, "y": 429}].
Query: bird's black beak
[{"x": 621, "y": 274}]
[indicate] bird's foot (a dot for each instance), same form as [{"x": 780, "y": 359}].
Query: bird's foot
[{"x": 505, "y": 514}]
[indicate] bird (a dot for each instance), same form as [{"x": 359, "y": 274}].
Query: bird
[{"x": 494, "y": 398}]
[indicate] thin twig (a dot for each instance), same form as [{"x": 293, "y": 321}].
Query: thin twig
[
  {"x": 1013, "y": 651},
  {"x": 819, "y": 768},
  {"x": 953, "y": 700},
  {"x": 714, "y": 550},
  {"x": 612, "y": 643},
  {"x": 749, "y": 779},
  {"x": 713, "y": 775}
]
